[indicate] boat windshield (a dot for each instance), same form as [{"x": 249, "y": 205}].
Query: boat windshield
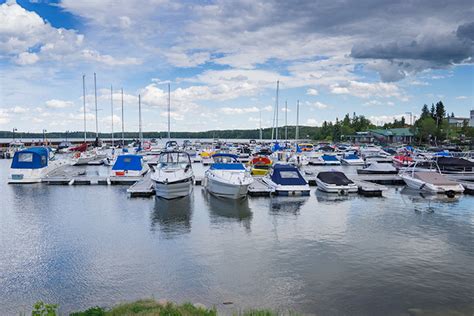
[{"x": 174, "y": 159}]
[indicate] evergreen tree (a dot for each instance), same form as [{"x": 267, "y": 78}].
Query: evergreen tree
[
  {"x": 440, "y": 112},
  {"x": 425, "y": 112},
  {"x": 432, "y": 112}
]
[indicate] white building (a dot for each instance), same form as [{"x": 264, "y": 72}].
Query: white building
[
  {"x": 471, "y": 121},
  {"x": 459, "y": 121}
]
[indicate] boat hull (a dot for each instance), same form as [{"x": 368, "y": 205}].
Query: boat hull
[
  {"x": 26, "y": 176},
  {"x": 174, "y": 190},
  {"x": 431, "y": 188},
  {"x": 226, "y": 190},
  {"x": 288, "y": 190},
  {"x": 334, "y": 188}
]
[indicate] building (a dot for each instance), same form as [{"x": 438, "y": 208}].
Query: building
[
  {"x": 359, "y": 138},
  {"x": 471, "y": 121},
  {"x": 459, "y": 121},
  {"x": 392, "y": 135}
]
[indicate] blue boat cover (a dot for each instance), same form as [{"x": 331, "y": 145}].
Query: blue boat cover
[
  {"x": 227, "y": 166},
  {"x": 287, "y": 175},
  {"x": 225, "y": 155},
  {"x": 329, "y": 158},
  {"x": 351, "y": 156},
  {"x": 128, "y": 162},
  {"x": 31, "y": 158}
]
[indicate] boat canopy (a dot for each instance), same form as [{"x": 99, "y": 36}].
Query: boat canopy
[
  {"x": 227, "y": 166},
  {"x": 334, "y": 177},
  {"x": 225, "y": 158},
  {"x": 454, "y": 162},
  {"x": 287, "y": 175},
  {"x": 128, "y": 162},
  {"x": 329, "y": 158},
  {"x": 31, "y": 158}
]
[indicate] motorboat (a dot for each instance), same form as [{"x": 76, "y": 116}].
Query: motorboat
[
  {"x": 227, "y": 177},
  {"x": 352, "y": 160},
  {"x": 173, "y": 176},
  {"x": 305, "y": 147},
  {"x": 455, "y": 165},
  {"x": 431, "y": 181},
  {"x": 378, "y": 168},
  {"x": 129, "y": 165},
  {"x": 206, "y": 157},
  {"x": 335, "y": 182},
  {"x": 330, "y": 160},
  {"x": 260, "y": 165},
  {"x": 171, "y": 145},
  {"x": 402, "y": 160},
  {"x": 286, "y": 180},
  {"x": 14, "y": 147},
  {"x": 32, "y": 165},
  {"x": 298, "y": 160}
]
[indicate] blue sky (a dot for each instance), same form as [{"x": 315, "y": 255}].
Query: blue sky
[{"x": 223, "y": 59}]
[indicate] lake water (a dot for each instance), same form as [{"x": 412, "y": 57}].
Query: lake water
[{"x": 81, "y": 246}]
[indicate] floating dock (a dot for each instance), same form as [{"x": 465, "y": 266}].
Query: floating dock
[
  {"x": 260, "y": 188},
  {"x": 142, "y": 188}
]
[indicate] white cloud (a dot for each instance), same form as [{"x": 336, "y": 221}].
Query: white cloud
[
  {"x": 4, "y": 117},
  {"x": 461, "y": 97},
  {"x": 312, "y": 91},
  {"x": 369, "y": 90},
  {"x": 318, "y": 105},
  {"x": 93, "y": 55},
  {"x": 26, "y": 58},
  {"x": 232, "y": 111},
  {"x": 312, "y": 122},
  {"x": 19, "y": 110},
  {"x": 58, "y": 104},
  {"x": 382, "y": 119}
]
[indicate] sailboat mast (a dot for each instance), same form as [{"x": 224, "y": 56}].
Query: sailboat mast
[
  {"x": 276, "y": 121},
  {"x": 123, "y": 133},
  {"x": 286, "y": 122},
  {"x": 96, "y": 118},
  {"x": 84, "y": 100},
  {"x": 260, "y": 125},
  {"x": 297, "y": 133},
  {"x": 112, "y": 111},
  {"x": 169, "y": 112},
  {"x": 140, "y": 134}
]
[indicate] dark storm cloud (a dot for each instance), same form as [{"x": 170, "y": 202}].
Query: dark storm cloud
[{"x": 466, "y": 31}]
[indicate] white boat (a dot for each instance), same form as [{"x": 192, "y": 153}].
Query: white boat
[
  {"x": 430, "y": 181},
  {"x": 14, "y": 147},
  {"x": 352, "y": 160},
  {"x": 129, "y": 166},
  {"x": 335, "y": 182},
  {"x": 227, "y": 177},
  {"x": 32, "y": 165},
  {"x": 298, "y": 160},
  {"x": 173, "y": 176},
  {"x": 378, "y": 168},
  {"x": 286, "y": 180}
]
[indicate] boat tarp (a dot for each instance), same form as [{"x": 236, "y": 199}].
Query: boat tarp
[
  {"x": 454, "y": 162},
  {"x": 31, "y": 158},
  {"x": 433, "y": 178},
  {"x": 227, "y": 166},
  {"x": 329, "y": 158},
  {"x": 351, "y": 157},
  {"x": 128, "y": 162},
  {"x": 287, "y": 175},
  {"x": 225, "y": 155},
  {"x": 334, "y": 177}
]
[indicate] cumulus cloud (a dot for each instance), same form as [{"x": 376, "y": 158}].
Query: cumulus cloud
[
  {"x": 312, "y": 91},
  {"x": 366, "y": 90},
  {"x": 240, "y": 110},
  {"x": 318, "y": 105},
  {"x": 58, "y": 104}
]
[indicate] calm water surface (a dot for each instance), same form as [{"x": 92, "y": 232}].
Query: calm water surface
[{"x": 81, "y": 246}]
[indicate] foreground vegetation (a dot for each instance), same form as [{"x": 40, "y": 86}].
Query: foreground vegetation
[{"x": 149, "y": 307}]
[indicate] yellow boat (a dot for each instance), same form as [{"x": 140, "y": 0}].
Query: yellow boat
[
  {"x": 306, "y": 147},
  {"x": 260, "y": 165}
]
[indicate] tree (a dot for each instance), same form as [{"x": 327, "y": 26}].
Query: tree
[
  {"x": 440, "y": 113},
  {"x": 425, "y": 112},
  {"x": 426, "y": 128},
  {"x": 432, "y": 111}
]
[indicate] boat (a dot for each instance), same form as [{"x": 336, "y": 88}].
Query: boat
[
  {"x": 32, "y": 165},
  {"x": 260, "y": 165},
  {"x": 206, "y": 157},
  {"x": 286, "y": 180},
  {"x": 129, "y": 165},
  {"x": 227, "y": 177},
  {"x": 14, "y": 147},
  {"x": 378, "y": 168},
  {"x": 402, "y": 160},
  {"x": 304, "y": 147},
  {"x": 330, "y": 160},
  {"x": 352, "y": 160},
  {"x": 173, "y": 177},
  {"x": 431, "y": 181},
  {"x": 335, "y": 182},
  {"x": 455, "y": 165}
]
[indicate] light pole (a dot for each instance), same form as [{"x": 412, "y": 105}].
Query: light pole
[{"x": 14, "y": 130}]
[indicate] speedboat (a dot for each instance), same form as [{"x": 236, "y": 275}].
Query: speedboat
[
  {"x": 335, "y": 182},
  {"x": 455, "y": 165},
  {"x": 402, "y": 160},
  {"x": 32, "y": 165},
  {"x": 378, "y": 168},
  {"x": 173, "y": 176},
  {"x": 129, "y": 165},
  {"x": 260, "y": 165},
  {"x": 298, "y": 160},
  {"x": 286, "y": 180},
  {"x": 430, "y": 181},
  {"x": 352, "y": 160},
  {"x": 330, "y": 160},
  {"x": 14, "y": 147},
  {"x": 227, "y": 177},
  {"x": 206, "y": 157}
]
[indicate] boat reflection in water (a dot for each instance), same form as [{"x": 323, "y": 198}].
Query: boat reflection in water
[
  {"x": 172, "y": 217},
  {"x": 331, "y": 197},
  {"x": 287, "y": 205},
  {"x": 422, "y": 196},
  {"x": 228, "y": 210}
]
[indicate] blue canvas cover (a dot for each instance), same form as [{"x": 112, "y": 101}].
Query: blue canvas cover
[
  {"x": 351, "y": 156},
  {"x": 227, "y": 166},
  {"x": 329, "y": 158},
  {"x": 225, "y": 155},
  {"x": 287, "y": 175},
  {"x": 31, "y": 158},
  {"x": 128, "y": 162}
]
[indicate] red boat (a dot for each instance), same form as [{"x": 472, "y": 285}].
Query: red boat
[
  {"x": 80, "y": 148},
  {"x": 402, "y": 160}
]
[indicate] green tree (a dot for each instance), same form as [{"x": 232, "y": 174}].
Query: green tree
[
  {"x": 426, "y": 128},
  {"x": 440, "y": 112},
  {"x": 425, "y": 112}
]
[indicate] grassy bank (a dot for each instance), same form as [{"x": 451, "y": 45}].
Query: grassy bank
[{"x": 150, "y": 307}]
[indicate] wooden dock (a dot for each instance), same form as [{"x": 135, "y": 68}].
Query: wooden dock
[
  {"x": 260, "y": 188},
  {"x": 142, "y": 188}
]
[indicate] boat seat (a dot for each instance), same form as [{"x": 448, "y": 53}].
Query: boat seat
[{"x": 433, "y": 178}]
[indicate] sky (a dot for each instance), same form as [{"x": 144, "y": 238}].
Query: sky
[{"x": 223, "y": 59}]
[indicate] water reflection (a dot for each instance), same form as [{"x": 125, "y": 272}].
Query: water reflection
[
  {"x": 222, "y": 209},
  {"x": 172, "y": 216},
  {"x": 333, "y": 197},
  {"x": 287, "y": 205}
]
